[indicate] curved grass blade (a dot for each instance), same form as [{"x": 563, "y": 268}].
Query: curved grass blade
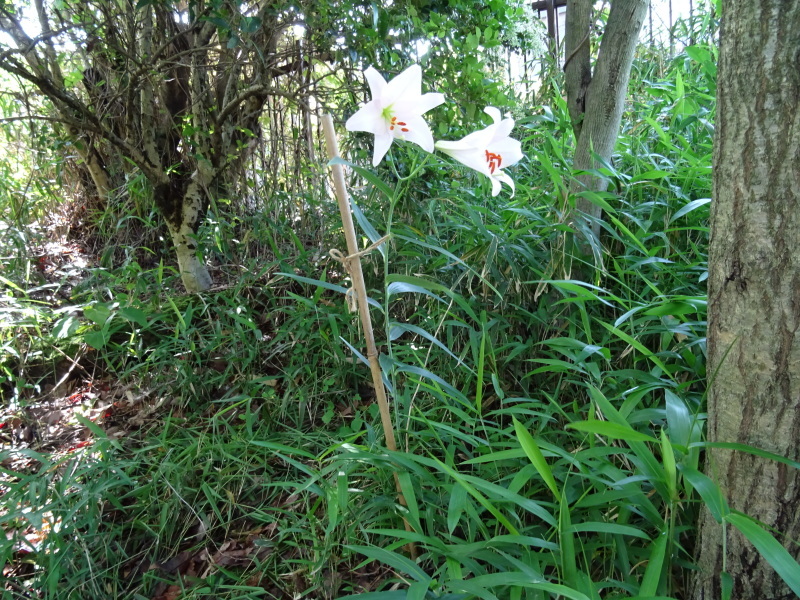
[
  {"x": 655, "y": 567},
  {"x": 536, "y": 457},
  {"x": 394, "y": 560},
  {"x": 770, "y": 549}
]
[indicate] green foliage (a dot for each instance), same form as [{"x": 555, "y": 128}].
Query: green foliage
[{"x": 551, "y": 429}]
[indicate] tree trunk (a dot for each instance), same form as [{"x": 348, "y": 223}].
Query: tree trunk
[
  {"x": 596, "y": 100},
  {"x": 182, "y": 201},
  {"x": 754, "y": 294},
  {"x": 97, "y": 171},
  {"x": 194, "y": 273}
]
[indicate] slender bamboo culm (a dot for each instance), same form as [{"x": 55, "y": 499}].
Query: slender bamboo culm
[{"x": 352, "y": 264}]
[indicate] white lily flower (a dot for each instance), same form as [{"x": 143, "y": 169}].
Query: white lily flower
[
  {"x": 395, "y": 111},
  {"x": 488, "y": 151}
]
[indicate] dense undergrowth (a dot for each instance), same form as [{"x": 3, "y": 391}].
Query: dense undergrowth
[{"x": 550, "y": 426}]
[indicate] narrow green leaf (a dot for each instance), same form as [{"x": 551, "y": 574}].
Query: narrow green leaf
[
  {"x": 536, "y": 457},
  {"x": 407, "y": 487},
  {"x": 498, "y": 492},
  {"x": 655, "y": 566},
  {"x": 97, "y": 431},
  {"x": 406, "y": 283},
  {"x": 614, "y": 431},
  {"x": 566, "y": 541},
  {"x": 709, "y": 492},
  {"x": 394, "y": 560},
  {"x": 333, "y": 511},
  {"x": 417, "y": 590},
  {"x": 726, "y": 583},
  {"x": 770, "y": 549},
  {"x": 456, "y": 507},
  {"x": 12, "y": 285},
  {"x": 478, "y": 496},
  {"x": 668, "y": 460},
  {"x": 674, "y": 308},
  {"x": 397, "y": 328},
  {"x": 628, "y": 233},
  {"x": 650, "y": 176},
  {"x": 679, "y": 419},
  {"x": 689, "y": 207},
  {"x": 283, "y": 448},
  {"x": 496, "y": 456},
  {"x": 410, "y": 536},
  {"x": 749, "y": 449},
  {"x": 481, "y": 366},
  {"x": 355, "y": 351},
  {"x": 328, "y": 286},
  {"x": 582, "y": 290},
  {"x": 371, "y": 232},
  {"x": 638, "y": 345},
  {"x": 366, "y": 174},
  {"x": 614, "y": 528},
  {"x": 519, "y": 578},
  {"x": 474, "y": 589},
  {"x": 342, "y": 495},
  {"x": 650, "y": 466},
  {"x": 456, "y": 260}
]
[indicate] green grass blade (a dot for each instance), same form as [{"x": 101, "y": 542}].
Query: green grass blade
[
  {"x": 709, "y": 492},
  {"x": 407, "y": 487},
  {"x": 485, "y": 502},
  {"x": 536, "y": 457},
  {"x": 655, "y": 566},
  {"x": 638, "y": 346},
  {"x": 615, "y": 431},
  {"x": 393, "y": 559},
  {"x": 613, "y": 528},
  {"x": 566, "y": 541},
  {"x": 750, "y": 450},
  {"x": 769, "y": 548}
]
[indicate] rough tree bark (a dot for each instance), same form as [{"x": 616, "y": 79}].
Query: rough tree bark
[
  {"x": 754, "y": 293},
  {"x": 596, "y": 98}
]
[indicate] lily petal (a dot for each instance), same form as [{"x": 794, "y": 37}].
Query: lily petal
[
  {"x": 395, "y": 111},
  {"x": 494, "y": 113},
  {"x": 365, "y": 118},
  {"x": 427, "y": 102},
  {"x": 382, "y": 144},
  {"x": 377, "y": 84},
  {"x": 465, "y": 154},
  {"x": 407, "y": 85},
  {"x": 510, "y": 149},
  {"x": 418, "y": 132},
  {"x": 488, "y": 151},
  {"x": 497, "y": 178}
]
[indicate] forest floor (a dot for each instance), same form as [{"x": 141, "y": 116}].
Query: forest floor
[{"x": 74, "y": 409}]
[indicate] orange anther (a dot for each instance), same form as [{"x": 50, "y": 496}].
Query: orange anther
[
  {"x": 494, "y": 160},
  {"x": 402, "y": 125}
]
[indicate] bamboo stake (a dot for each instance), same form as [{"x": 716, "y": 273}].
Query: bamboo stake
[{"x": 352, "y": 263}]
